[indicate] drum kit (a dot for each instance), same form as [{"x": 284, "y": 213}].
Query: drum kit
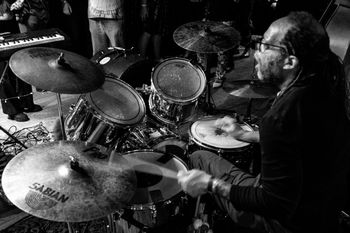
[{"x": 114, "y": 158}]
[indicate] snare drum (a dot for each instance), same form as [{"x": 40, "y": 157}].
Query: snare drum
[
  {"x": 104, "y": 115},
  {"x": 204, "y": 134},
  {"x": 176, "y": 86},
  {"x": 158, "y": 195},
  {"x": 127, "y": 66}
]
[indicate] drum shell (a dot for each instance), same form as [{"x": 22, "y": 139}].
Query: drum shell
[
  {"x": 83, "y": 122},
  {"x": 127, "y": 66},
  {"x": 170, "y": 112},
  {"x": 105, "y": 115},
  {"x": 176, "y": 85}
]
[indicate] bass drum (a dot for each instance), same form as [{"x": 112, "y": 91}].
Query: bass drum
[{"x": 128, "y": 66}]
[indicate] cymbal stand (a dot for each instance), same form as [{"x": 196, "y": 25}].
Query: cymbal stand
[
  {"x": 60, "y": 113},
  {"x": 248, "y": 115},
  {"x": 208, "y": 105},
  {"x": 1, "y": 128}
]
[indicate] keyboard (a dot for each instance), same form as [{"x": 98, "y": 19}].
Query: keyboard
[{"x": 10, "y": 43}]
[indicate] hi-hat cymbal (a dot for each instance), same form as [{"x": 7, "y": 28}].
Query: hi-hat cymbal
[
  {"x": 68, "y": 181},
  {"x": 56, "y": 70},
  {"x": 252, "y": 89},
  {"x": 206, "y": 37}
]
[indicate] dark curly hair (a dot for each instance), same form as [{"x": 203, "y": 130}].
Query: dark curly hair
[{"x": 308, "y": 40}]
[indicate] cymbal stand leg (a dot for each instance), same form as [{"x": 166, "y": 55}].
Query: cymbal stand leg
[
  {"x": 209, "y": 104},
  {"x": 111, "y": 228},
  {"x": 58, "y": 95}
]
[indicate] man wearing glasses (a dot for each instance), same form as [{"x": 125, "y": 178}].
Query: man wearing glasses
[{"x": 304, "y": 139}]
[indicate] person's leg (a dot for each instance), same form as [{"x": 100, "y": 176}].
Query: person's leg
[
  {"x": 143, "y": 43},
  {"x": 222, "y": 169},
  {"x": 114, "y": 31},
  {"x": 99, "y": 39},
  {"x": 11, "y": 106},
  {"x": 157, "y": 40}
]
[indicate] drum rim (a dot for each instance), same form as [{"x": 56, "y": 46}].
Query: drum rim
[
  {"x": 155, "y": 88},
  {"x": 152, "y": 204},
  {"x": 211, "y": 147},
  {"x": 127, "y": 122},
  {"x": 166, "y": 137}
]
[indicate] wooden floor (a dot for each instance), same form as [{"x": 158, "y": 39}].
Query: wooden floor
[{"x": 224, "y": 102}]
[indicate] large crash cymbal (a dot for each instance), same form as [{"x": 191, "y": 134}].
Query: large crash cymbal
[
  {"x": 56, "y": 70},
  {"x": 252, "y": 89},
  {"x": 206, "y": 37},
  {"x": 68, "y": 181}
]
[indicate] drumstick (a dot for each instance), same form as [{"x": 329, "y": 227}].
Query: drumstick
[{"x": 165, "y": 171}]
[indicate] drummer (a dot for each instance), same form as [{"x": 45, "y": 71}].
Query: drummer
[{"x": 304, "y": 139}]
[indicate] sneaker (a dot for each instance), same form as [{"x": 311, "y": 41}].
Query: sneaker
[
  {"x": 218, "y": 83},
  {"x": 35, "y": 108},
  {"x": 20, "y": 117}
]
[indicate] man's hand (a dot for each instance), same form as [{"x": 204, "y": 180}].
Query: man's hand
[
  {"x": 230, "y": 126},
  {"x": 194, "y": 182}
]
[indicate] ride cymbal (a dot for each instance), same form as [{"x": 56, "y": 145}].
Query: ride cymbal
[
  {"x": 56, "y": 70},
  {"x": 68, "y": 181},
  {"x": 206, "y": 37}
]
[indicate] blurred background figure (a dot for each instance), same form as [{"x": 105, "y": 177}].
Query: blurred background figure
[
  {"x": 106, "y": 22},
  {"x": 155, "y": 25},
  {"x": 16, "y": 95}
]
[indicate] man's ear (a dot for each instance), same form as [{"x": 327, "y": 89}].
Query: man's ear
[{"x": 291, "y": 62}]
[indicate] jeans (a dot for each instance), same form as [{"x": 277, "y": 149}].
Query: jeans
[
  {"x": 223, "y": 169},
  {"x": 106, "y": 33}
]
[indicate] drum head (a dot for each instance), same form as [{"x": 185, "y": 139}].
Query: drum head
[
  {"x": 156, "y": 176},
  {"x": 206, "y": 133},
  {"x": 176, "y": 79},
  {"x": 117, "y": 102}
]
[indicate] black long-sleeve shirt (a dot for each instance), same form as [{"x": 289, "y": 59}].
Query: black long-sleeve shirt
[{"x": 305, "y": 148}]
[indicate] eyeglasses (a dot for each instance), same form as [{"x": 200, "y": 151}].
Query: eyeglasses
[{"x": 257, "y": 44}]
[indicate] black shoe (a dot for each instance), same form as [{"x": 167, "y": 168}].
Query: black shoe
[
  {"x": 35, "y": 108},
  {"x": 20, "y": 117}
]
